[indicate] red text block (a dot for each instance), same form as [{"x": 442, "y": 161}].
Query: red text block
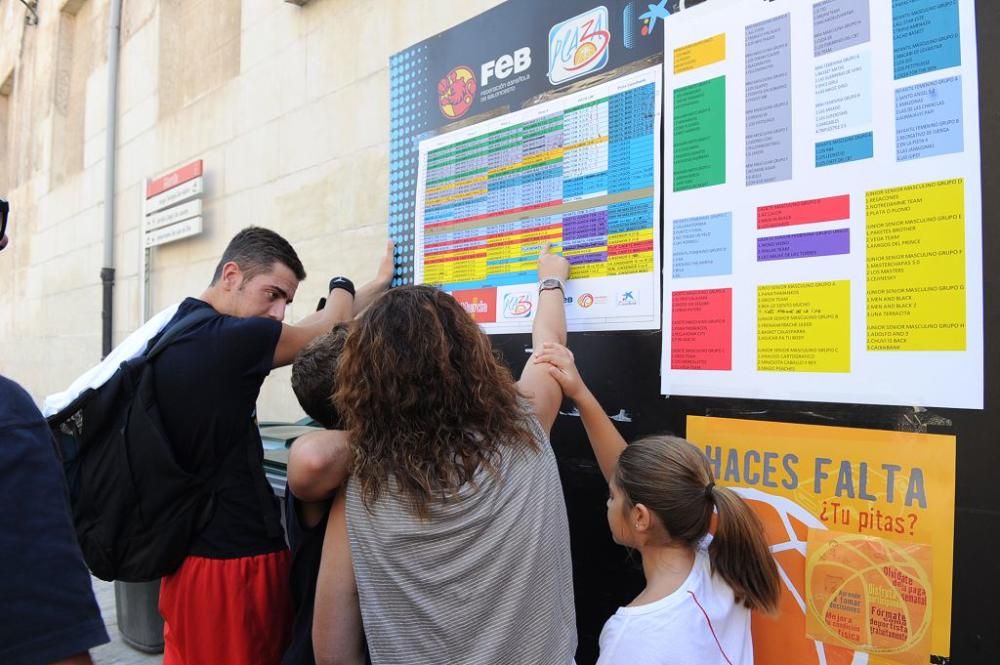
[
  {"x": 701, "y": 330},
  {"x": 812, "y": 211}
]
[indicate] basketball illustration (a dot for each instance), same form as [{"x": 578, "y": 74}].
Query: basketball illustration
[
  {"x": 871, "y": 594},
  {"x": 584, "y": 53},
  {"x": 780, "y": 643}
]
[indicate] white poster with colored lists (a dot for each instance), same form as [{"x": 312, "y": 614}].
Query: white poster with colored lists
[{"x": 822, "y": 203}]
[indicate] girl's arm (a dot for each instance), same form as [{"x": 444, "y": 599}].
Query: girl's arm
[
  {"x": 337, "y": 628},
  {"x": 607, "y": 443}
]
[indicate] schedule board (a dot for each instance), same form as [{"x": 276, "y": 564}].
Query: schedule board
[
  {"x": 580, "y": 172},
  {"x": 822, "y": 203}
]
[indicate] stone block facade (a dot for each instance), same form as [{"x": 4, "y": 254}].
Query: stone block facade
[{"x": 287, "y": 105}]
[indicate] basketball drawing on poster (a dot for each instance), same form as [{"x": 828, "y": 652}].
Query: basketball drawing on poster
[
  {"x": 861, "y": 524},
  {"x": 869, "y": 594},
  {"x": 822, "y": 196}
]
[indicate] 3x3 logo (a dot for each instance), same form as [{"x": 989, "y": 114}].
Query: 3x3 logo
[{"x": 517, "y": 306}]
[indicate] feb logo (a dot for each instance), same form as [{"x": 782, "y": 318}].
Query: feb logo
[
  {"x": 517, "y": 306},
  {"x": 456, "y": 92},
  {"x": 579, "y": 45},
  {"x": 505, "y": 65}
]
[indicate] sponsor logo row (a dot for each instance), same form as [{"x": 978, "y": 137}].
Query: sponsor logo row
[{"x": 493, "y": 305}]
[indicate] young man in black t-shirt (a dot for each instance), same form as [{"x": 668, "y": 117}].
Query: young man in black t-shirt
[{"x": 229, "y": 600}]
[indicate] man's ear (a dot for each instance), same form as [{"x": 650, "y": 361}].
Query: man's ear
[{"x": 231, "y": 277}]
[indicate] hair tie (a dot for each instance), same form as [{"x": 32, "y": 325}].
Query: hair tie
[{"x": 708, "y": 490}]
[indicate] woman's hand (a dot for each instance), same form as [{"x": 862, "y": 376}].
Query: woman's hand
[{"x": 552, "y": 265}]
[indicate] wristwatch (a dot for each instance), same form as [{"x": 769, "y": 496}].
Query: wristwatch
[{"x": 550, "y": 283}]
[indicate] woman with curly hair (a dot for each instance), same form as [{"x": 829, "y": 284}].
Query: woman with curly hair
[{"x": 454, "y": 512}]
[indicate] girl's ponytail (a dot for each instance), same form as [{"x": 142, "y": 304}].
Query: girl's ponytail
[
  {"x": 739, "y": 553},
  {"x": 673, "y": 479}
]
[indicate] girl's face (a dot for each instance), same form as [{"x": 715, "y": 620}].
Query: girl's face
[{"x": 621, "y": 530}]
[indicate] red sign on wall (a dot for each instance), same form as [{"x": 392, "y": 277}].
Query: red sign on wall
[{"x": 174, "y": 178}]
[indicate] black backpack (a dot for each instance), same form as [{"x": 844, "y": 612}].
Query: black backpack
[{"x": 135, "y": 510}]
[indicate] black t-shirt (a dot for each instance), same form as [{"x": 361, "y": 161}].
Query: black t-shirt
[
  {"x": 207, "y": 383},
  {"x": 48, "y": 611},
  {"x": 307, "y": 551}
]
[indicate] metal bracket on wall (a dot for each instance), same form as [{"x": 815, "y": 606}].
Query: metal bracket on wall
[{"x": 31, "y": 18}]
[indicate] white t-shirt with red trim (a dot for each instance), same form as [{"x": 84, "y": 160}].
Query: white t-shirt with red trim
[{"x": 698, "y": 624}]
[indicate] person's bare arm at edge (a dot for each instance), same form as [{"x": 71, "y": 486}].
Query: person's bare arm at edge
[
  {"x": 295, "y": 337},
  {"x": 337, "y": 631},
  {"x": 607, "y": 443},
  {"x": 549, "y": 326},
  {"x": 340, "y": 306},
  {"x": 317, "y": 464}
]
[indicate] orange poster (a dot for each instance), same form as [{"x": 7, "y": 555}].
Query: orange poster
[
  {"x": 894, "y": 486},
  {"x": 869, "y": 594}
]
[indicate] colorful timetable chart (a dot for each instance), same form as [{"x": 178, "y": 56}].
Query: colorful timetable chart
[
  {"x": 822, "y": 204},
  {"x": 580, "y": 172}
]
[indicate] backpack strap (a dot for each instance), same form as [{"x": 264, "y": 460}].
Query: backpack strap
[
  {"x": 183, "y": 325},
  {"x": 163, "y": 339}
]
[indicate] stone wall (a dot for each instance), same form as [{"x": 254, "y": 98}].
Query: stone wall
[{"x": 288, "y": 107}]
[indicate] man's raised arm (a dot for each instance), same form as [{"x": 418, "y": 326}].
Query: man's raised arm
[{"x": 342, "y": 304}]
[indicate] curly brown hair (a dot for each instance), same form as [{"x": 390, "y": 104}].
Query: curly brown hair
[{"x": 424, "y": 398}]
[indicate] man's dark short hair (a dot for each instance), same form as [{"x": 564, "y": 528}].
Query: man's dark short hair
[
  {"x": 314, "y": 373},
  {"x": 255, "y": 250}
]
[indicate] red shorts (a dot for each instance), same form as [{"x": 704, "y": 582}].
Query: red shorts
[{"x": 221, "y": 611}]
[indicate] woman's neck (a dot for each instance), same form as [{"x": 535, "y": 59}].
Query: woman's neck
[{"x": 666, "y": 568}]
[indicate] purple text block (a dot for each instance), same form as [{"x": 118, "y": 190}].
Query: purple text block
[{"x": 804, "y": 245}]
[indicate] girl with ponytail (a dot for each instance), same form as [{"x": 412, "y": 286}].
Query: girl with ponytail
[{"x": 700, "y": 588}]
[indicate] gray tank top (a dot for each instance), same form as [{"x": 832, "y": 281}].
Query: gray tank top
[{"x": 485, "y": 580}]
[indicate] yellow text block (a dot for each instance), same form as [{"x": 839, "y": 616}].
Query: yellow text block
[
  {"x": 804, "y": 327},
  {"x": 700, "y": 54},
  {"x": 915, "y": 237}
]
